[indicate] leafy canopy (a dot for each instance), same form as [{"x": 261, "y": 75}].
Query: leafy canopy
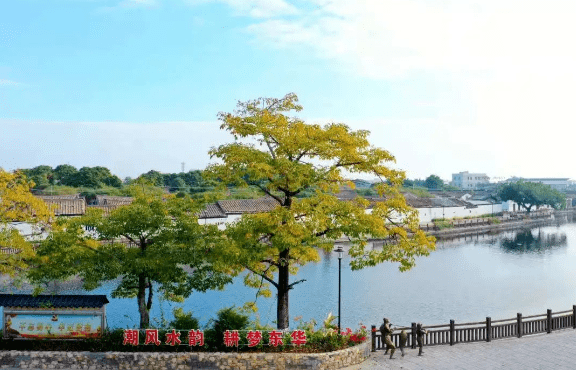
[
  {"x": 285, "y": 157},
  {"x": 434, "y": 182},
  {"x": 531, "y": 194},
  {"x": 17, "y": 204},
  {"x": 156, "y": 241}
]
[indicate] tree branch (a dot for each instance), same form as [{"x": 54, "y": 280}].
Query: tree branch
[
  {"x": 98, "y": 251},
  {"x": 270, "y": 262},
  {"x": 269, "y": 193},
  {"x": 270, "y": 149},
  {"x": 129, "y": 238},
  {"x": 322, "y": 233},
  {"x": 340, "y": 164},
  {"x": 263, "y": 276},
  {"x": 261, "y": 282},
  {"x": 291, "y": 286}
]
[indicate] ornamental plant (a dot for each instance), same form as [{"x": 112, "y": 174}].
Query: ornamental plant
[{"x": 355, "y": 337}]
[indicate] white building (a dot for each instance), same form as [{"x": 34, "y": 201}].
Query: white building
[{"x": 466, "y": 180}]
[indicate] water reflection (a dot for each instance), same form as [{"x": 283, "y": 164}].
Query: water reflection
[{"x": 529, "y": 241}]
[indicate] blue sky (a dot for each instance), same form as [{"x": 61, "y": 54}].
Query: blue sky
[{"x": 133, "y": 85}]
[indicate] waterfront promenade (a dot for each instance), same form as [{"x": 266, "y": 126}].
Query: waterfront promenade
[{"x": 556, "y": 350}]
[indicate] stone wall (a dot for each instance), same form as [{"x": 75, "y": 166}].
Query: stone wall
[{"x": 181, "y": 361}]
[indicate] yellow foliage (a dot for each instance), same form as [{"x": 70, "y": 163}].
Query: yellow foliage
[
  {"x": 285, "y": 157},
  {"x": 17, "y": 204}
]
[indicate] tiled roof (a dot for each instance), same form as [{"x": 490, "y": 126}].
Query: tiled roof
[
  {"x": 67, "y": 206},
  {"x": 437, "y": 202},
  {"x": 240, "y": 206},
  {"x": 49, "y": 301},
  {"x": 212, "y": 211},
  {"x": 64, "y": 196},
  {"x": 108, "y": 200},
  {"x": 346, "y": 193}
]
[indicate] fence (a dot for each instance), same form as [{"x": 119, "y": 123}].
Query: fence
[{"x": 488, "y": 330}]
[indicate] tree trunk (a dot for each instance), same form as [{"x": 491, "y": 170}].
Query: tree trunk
[
  {"x": 142, "y": 308},
  {"x": 150, "y": 290},
  {"x": 282, "y": 313}
]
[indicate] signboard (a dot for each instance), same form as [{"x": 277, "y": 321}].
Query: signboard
[
  {"x": 53, "y": 325},
  {"x": 196, "y": 337}
]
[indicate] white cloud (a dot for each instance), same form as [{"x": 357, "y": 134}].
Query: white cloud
[
  {"x": 255, "y": 8},
  {"x": 506, "y": 72},
  {"x": 133, "y": 3},
  {"x": 385, "y": 38},
  {"x": 9, "y": 83},
  {"x": 129, "y": 4}
]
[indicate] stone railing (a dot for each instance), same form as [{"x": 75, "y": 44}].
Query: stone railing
[{"x": 181, "y": 361}]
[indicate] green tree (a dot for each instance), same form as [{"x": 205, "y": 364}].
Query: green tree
[
  {"x": 434, "y": 182},
  {"x": 64, "y": 173},
  {"x": 94, "y": 177},
  {"x": 531, "y": 194},
  {"x": 408, "y": 183},
  {"x": 42, "y": 176},
  {"x": 154, "y": 177},
  {"x": 285, "y": 157},
  {"x": 18, "y": 204},
  {"x": 164, "y": 247}
]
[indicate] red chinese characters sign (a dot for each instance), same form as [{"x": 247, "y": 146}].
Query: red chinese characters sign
[{"x": 196, "y": 338}]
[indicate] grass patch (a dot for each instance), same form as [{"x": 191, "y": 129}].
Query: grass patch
[
  {"x": 443, "y": 224},
  {"x": 418, "y": 191}
]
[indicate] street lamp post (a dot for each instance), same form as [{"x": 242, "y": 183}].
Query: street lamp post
[{"x": 340, "y": 252}]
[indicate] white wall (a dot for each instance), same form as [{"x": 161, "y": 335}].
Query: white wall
[
  {"x": 29, "y": 231},
  {"x": 428, "y": 214},
  {"x": 425, "y": 215},
  {"x": 220, "y": 221}
]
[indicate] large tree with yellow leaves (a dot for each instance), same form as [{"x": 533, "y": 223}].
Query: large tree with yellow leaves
[
  {"x": 286, "y": 157},
  {"x": 17, "y": 204}
]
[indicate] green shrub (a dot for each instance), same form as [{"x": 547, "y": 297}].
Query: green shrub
[
  {"x": 443, "y": 224},
  {"x": 418, "y": 191},
  {"x": 493, "y": 220},
  {"x": 371, "y": 192},
  {"x": 183, "y": 320},
  {"x": 230, "y": 318}
]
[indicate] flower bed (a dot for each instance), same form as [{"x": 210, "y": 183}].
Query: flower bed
[{"x": 244, "y": 346}]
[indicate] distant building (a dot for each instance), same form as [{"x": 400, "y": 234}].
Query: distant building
[
  {"x": 466, "y": 180},
  {"x": 562, "y": 183}
]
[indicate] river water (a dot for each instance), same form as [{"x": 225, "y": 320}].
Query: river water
[{"x": 465, "y": 279}]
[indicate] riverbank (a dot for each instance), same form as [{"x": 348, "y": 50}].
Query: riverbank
[{"x": 557, "y": 216}]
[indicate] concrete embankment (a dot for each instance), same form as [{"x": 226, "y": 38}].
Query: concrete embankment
[{"x": 558, "y": 216}]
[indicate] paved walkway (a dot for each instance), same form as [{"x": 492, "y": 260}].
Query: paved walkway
[{"x": 556, "y": 350}]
